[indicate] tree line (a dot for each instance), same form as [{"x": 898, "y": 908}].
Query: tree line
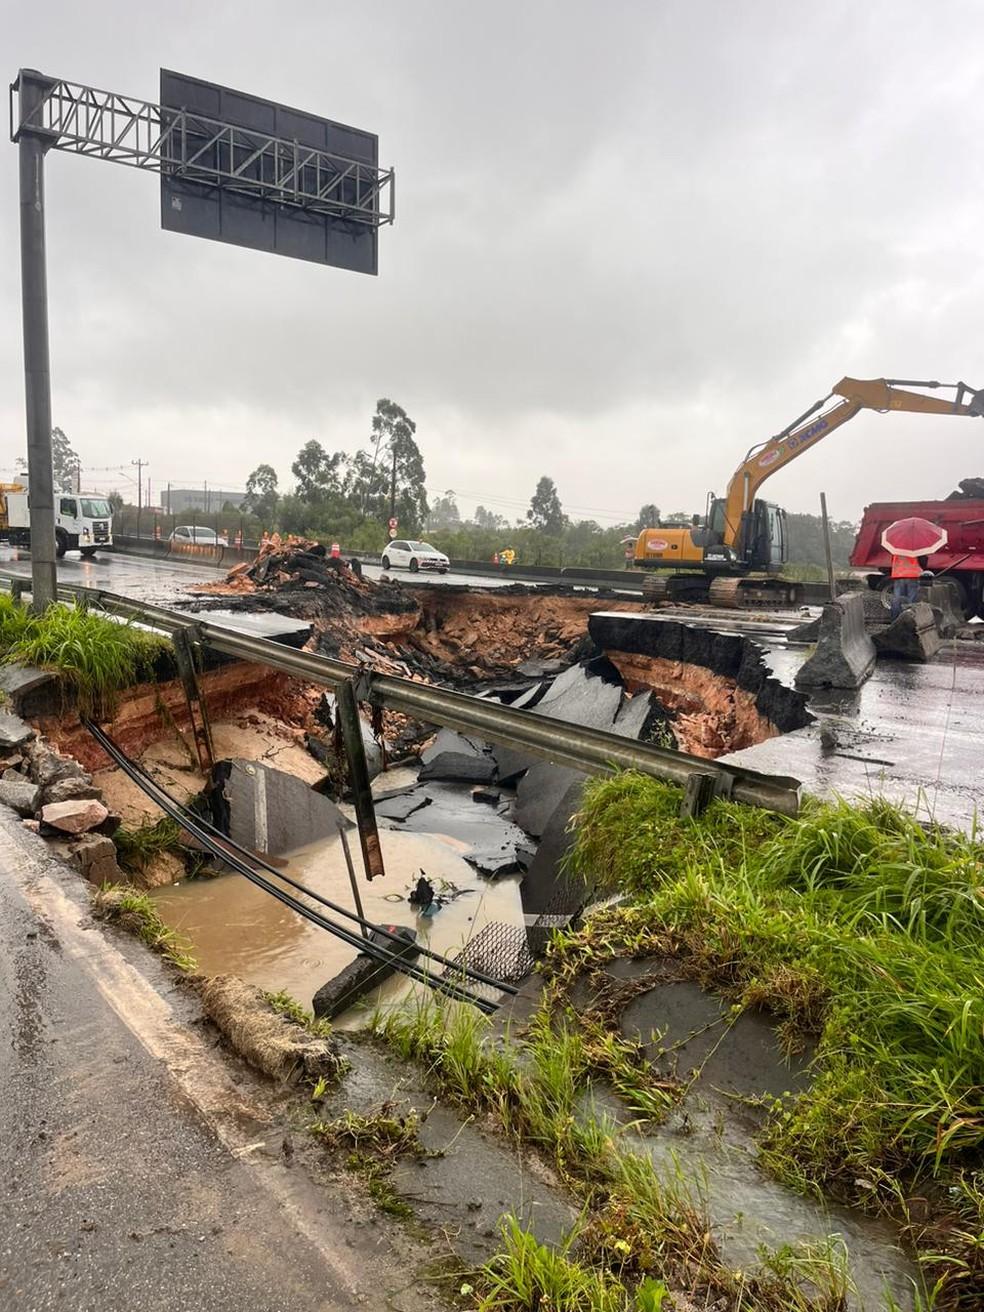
[{"x": 351, "y": 498}]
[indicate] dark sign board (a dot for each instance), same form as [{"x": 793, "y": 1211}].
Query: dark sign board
[{"x": 255, "y": 173}]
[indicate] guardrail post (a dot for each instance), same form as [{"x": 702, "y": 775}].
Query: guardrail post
[
  {"x": 350, "y": 723},
  {"x": 184, "y": 655},
  {"x": 698, "y": 793}
]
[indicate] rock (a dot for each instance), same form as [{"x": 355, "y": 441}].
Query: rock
[
  {"x": 70, "y": 790},
  {"x": 21, "y": 794},
  {"x": 96, "y": 857},
  {"x": 13, "y": 731},
  {"x": 33, "y": 825},
  {"x": 47, "y": 767},
  {"x": 459, "y": 768},
  {"x": 10, "y": 775},
  {"x": 912, "y": 637},
  {"x": 76, "y": 817}
]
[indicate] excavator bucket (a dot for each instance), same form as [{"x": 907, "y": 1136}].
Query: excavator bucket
[{"x": 976, "y": 403}]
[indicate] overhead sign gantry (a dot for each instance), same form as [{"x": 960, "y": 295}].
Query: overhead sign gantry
[{"x": 233, "y": 168}]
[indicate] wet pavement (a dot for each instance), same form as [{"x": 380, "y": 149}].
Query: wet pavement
[
  {"x": 137, "y": 1169},
  {"x": 912, "y": 733},
  {"x": 166, "y": 581}
]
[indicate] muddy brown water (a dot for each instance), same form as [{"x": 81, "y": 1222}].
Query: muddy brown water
[{"x": 236, "y": 928}]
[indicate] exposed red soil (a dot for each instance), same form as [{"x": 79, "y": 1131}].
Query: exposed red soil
[
  {"x": 149, "y": 711},
  {"x": 712, "y": 715}
]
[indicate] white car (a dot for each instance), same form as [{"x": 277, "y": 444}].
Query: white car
[
  {"x": 401, "y": 554},
  {"x": 199, "y": 535}
]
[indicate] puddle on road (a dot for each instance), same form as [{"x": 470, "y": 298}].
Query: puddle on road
[{"x": 236, "y": 928}]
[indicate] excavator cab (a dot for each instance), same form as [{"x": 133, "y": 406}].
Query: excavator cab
[{"x": 761, "y": 543}]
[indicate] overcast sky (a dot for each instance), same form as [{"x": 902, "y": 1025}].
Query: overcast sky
[{"x": 633, "y": 238}]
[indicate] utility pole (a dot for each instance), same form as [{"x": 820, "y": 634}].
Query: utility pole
[
  {"x": 206, "y": 498},
  {"x": 169, "y": 498},
  {"x": 32, "y": 146},
  {"x": 140, "y": 468},
  {"x": 393, "y": 488}
]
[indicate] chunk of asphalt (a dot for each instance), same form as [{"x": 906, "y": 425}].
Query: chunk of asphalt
[
  {"x": 535, "y": 669},
  {"x": 364, "y": 973},
  {"x": 587, "y": 694},
  {"x": 545, "y": 889},
  {"x": 494, "y": 862},
  {"x": 540, "y": 792},
  {"x": 23, "y": 685},
  {"x": 458, "y": 767},
  {"x": 448, "y": 740},
  {"x": 402, "y": 806}
]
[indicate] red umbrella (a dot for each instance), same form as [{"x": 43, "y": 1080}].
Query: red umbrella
[{"x": 913, "y": 537}]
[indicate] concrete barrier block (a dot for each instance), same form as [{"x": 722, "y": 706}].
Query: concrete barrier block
[
  {"x": 914, "y": 636},
  {"x": 946, "y": 600},
  {"x": 844, "y": 655}
]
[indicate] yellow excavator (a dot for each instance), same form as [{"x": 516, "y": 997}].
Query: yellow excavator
[{"x": 734, "y": 554}]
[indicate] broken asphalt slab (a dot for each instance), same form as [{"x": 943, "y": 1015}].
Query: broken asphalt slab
[{"x": 458, "y": 767}]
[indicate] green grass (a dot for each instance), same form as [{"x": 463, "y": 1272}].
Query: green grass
[
  {"x": 138, "y": 847},
  {"x": 287, "y": 1005},
  {"x": 137, "y": 913},
  {"x": 374, "y": 1144},
  {"x": 637, "y": 1229},
  {"x": 97, "y": 656},
  {"x": 858, "y": 925}
]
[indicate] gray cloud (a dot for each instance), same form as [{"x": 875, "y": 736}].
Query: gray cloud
[{"x": 632, "y": 240}]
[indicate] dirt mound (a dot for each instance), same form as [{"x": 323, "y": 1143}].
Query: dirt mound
[{"x": 297, "y": 577}]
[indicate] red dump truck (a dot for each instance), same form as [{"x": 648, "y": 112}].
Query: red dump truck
[{"x": 962, "y": 558}]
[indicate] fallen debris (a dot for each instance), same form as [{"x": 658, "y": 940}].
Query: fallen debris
[
  {"x": 267, "y": 1039},
  {"x": 77, "y": 817},
  {"x": 912, "y": 637}
]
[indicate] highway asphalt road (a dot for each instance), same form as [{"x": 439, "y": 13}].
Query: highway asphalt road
[
  {"x": 167, "y": 581},
  {"x": 141, "y": 1168}
]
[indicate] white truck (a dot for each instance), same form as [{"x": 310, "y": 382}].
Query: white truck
[{"x": 83, "y": 520}]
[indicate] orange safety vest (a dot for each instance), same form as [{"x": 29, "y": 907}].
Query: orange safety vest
[{"x": 905, "y": 567}]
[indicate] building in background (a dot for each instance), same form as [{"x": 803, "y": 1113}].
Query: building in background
[{"x": 209, "y": 500}]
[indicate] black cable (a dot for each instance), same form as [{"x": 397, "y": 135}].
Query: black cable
[
  {"x": 134, "y": 766},
  {"x": 379, "y": 954}
]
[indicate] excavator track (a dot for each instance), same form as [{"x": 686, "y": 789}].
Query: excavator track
[
  {"x": 764, "y": 590},
  {"x": 656, "y": 588},
  {"x": 686, "y": 587}
]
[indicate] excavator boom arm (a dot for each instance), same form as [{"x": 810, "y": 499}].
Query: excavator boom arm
[{"x": 882, "y": 394}]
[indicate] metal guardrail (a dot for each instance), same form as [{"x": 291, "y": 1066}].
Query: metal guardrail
[{"x": 590, "y": 750}]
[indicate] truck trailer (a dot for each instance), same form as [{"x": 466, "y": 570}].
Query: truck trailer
[{"x": 961, "y": 560}]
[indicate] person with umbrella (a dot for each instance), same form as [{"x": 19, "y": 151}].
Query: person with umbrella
[{"x": 906, "y": 541}]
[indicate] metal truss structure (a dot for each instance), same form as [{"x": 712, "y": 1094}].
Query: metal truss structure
[{"x": 181, "y": 144}]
